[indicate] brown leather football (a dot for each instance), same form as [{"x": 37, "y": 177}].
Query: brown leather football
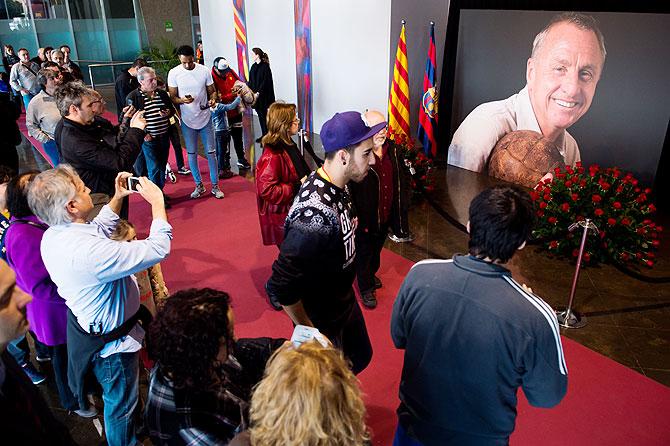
[{"x": 524, "y": 157}]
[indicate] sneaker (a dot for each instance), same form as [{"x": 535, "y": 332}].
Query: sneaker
[
  {"x": 90, "y": 412},
  {"x": 225, "y": 174},
  {"x": 171, "y": 177},
  {"x": 199, "y": 190},
  {"x": 378, "y": 283},
  {"x": 30, "y": 371},
  {"x": 43, "y": 358},
  {"x": 369, "y": 299},
  {"x": 396, "y": 239},
  {"x": 243, "y": 164},
  {"x": 183, "y": 170},
  {"x": 218, "y": 193}
]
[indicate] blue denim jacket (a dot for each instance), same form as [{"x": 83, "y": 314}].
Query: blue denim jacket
[{"x": 219, "y": 118}]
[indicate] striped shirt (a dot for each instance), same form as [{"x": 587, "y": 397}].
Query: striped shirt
[{"x": 156, "y": 124}]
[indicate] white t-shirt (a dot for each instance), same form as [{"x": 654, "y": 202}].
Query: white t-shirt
[{"x": 192, "y": 82}]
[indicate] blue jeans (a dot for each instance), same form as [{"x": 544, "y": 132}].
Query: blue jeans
[
  {"x": 51, "y": 150},
  {"x": 156, "y": 154},
  {"x": 20, "y": 349},
  {"x": 191, "y": 140},
  {"x": 59, "y": 362},
  {"x": 118, "y": 374},
  {"x": 26, "y": 99},
  {"x": 402, "y": 439}
]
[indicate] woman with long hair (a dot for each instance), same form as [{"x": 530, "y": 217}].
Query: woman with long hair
[
  {"x": 279, "y": 171},
  {"x": 260, "y": 81},
  {"x": 308, "y": 396}
]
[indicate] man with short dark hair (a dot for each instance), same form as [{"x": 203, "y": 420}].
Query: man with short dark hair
[
  {"x": 95, "y": 151},
  {"x": 191, "y": 87},
  {"x": 472, "y": 335},
  {"x": 312, "y": 277},
  {"x": 126, "y": 82}
]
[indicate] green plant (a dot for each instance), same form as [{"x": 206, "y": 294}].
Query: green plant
[
  {"x": 615, "y": 202},
  {"x": 162, "y": 57}
]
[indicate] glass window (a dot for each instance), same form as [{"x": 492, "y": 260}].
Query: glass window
[
  {"x": 16, "y": 28},
  {"x": 120, "y": 9},
  {"x": 49, "y": 9},
  {"x": 84, "y": 9},
  {"x": 194, "y": 7}
]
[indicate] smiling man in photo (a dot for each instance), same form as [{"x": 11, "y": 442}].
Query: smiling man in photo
[{"x": 561, "y": 74}]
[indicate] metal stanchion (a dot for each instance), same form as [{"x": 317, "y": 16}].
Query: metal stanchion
[
  {"x": 569, "y": 318},
  {"x": 301, "y": 141}
]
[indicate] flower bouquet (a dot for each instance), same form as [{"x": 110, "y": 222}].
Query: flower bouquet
[
  {"x": 609, "y": 197},
  {"x": 416, "y": 161}
]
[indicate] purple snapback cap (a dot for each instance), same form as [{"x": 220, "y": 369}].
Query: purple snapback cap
[{"x": 346, "y": 129}]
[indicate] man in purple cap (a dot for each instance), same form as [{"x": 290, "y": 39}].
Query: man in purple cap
[{"x": 313, "y": 276}]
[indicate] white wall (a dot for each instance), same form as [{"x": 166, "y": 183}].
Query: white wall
[
  {"x": 271, "y": 27},
  {"x": 350, "y": 62},
  {"x": 218, "y": 31},
  {"x": 350, "y": 49}
]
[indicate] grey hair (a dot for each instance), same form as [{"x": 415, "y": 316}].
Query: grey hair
[
  {"x": 141, "y": 72},
  {"x": 581, "y": 21},
  {"x": 72, "y": 93},
  {"x": 50, "y": 192}
]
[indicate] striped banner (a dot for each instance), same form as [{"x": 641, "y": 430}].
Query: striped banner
[
  {"x": 399, "y": 96},
  {"x": 241, "y": 40},
  {"x": 303, "y": 54},
  {"x": 428, "y": 106}
]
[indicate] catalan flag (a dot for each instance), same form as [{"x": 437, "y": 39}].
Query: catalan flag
[
  {"x": 399, "y": 96},
  {"x": 428, "y": 106},
  {"x": 241, "y": 40}
]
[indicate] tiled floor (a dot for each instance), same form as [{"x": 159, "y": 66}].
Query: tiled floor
[{"x": 628, "y": 320}]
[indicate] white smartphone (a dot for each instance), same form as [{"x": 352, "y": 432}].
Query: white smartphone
[{"x": 303, "y": 333}]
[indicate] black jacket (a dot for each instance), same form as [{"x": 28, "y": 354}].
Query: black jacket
[
  {"x": 96, "y": 153},
  {"x": 316, "y": 259},
  {"x": 124, "y": 84},
  {"x": 260, "y": 81},
  {"x": 365, "y": 196}
]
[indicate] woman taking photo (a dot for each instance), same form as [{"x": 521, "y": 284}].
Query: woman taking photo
[
  {"x": 279, "y": 171},
  {"x": 260, "y": 82}
]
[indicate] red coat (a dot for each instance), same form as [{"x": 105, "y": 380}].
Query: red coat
[
  {"x": 276, "y": 186},
  {"x": 224, "y": 85}
]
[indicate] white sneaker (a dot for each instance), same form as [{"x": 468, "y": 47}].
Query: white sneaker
[
  {"x": 218, "y": 193},
  {"x": 199, "y": 190}
]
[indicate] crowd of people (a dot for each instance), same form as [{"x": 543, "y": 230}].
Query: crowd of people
[{"x": 91, "y": 294}]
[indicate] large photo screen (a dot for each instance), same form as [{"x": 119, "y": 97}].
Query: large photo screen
[{"x": 572, "y": 101}]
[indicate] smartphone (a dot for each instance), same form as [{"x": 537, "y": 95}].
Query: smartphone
[
  {"x": 188, "y": 96},
  {"x": 129, "y": 101},
  {"x": 303, "y": 333},
  {"x": 133, "y": 182}
]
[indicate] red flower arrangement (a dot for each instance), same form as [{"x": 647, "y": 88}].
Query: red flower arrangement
[
  {"x": 417, "y": 162},
  {"x": 612, "y": 199}
]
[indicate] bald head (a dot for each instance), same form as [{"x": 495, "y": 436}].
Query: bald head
[{"x": 372, "y": 118}]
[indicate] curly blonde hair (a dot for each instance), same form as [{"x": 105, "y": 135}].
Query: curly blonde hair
[{"x": 308, "y": 396}]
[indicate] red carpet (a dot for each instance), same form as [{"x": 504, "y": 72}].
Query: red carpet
[{"x": 217, "y": 244}]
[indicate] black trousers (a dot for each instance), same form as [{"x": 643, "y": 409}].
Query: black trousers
[
  {"x": 352, "y": 338},
  {"x": 262, "y": 118},
  {"x": 173, "y": 133},
  {"x": 368, "y": 252}
]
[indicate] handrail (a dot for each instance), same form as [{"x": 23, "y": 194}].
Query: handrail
[{"x": 111, "y": 64}]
